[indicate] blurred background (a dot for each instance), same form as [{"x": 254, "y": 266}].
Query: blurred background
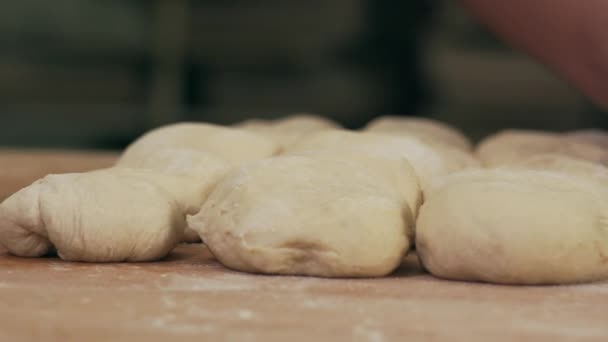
[{"x": 97, "y": 73}]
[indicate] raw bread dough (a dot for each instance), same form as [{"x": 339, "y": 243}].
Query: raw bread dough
[
  {"x": 234, "y": 145},
  {"x": 309, "y": 215},
  {"x": 590, "y": 136},
  {"x": 429, "y": 161},
  {"x": 515, "y": 227},
  {"x": 397, "y": 173},
  {"x": 576, "y": 167},
  {"x": 289, "y": 130},
  {"x": 108, "y": 215},
  {"x": 421, "y": 128},
  {"x": 201, "y": 152},
  {"x": 513, "y": 146},
  {"x": 194, "y": 173}
]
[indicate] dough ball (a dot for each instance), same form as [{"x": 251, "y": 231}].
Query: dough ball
[
  {"x": 513, "y": 146},
  {"x": 307, "y": 215},
  {"x": 422, "y": 128},
  {"x": 193, "y": 175},
  {"x": 102, "y": 216},
  {"x": 19, "y": 168},
  {"x": 396, "y": 175},
  {"x": 289, "y": 130},
  {"x": 595, "y": 137},
  {"x": 306, "y": 122},
  {"x": 515, "y": 227},
  {"x": 576, "y": 167},
  {"x": 429, "y": 162},
  {"x": 233, "y": 145},
  {"x": 179, "y": 161}
]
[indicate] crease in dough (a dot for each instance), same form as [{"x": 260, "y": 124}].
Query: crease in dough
[
  {"x": 200, "y": 154},
  {"x": 191, "y": 175}
]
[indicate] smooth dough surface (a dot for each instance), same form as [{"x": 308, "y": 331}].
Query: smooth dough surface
[
  {"x": 399, "y": 174},
  {"x": 596, "y": 137},
  {"x": 513, "y": 146},
  {"x": 192, "y": 174},
  {"x": 308, "y": 215},
  {"x": 429, "y": 161},
  {"x": 422, "y": 128},
  {"x": 573, "y": 166},
  {"x": 234, "y": 145},
  {"x": 515, "y": 227},
  {"x": 109, "y": 215},
  {"x": 288, "y": 130}
]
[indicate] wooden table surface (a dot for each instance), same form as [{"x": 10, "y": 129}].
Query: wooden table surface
[{"x": 189, "y": 296}]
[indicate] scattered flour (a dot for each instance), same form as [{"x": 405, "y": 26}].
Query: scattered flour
[
  {"x": 366, "y": 332},
  {"x": 245, "y": 314},
  {"x": 191, "y": 283}
]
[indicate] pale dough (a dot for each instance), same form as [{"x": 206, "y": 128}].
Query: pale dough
[
  {"x": 513, "y": 146},
  {"x": 202, "y": 152},
  {"x": 193, "y": 174},
  {"x": 590, "y": 136},
  {"x": 429, "y": 161},
  {"x": 288, "y": 130},
  {"x": 109, "y": 215},
  {"x": 422, "y": 128},
  {"x": 556, "y": 162},
  {"x": 233, "y": 145},
  {"x": 513, "y": 226},
  {"x": 309, "y": 215},
  {"x": 397, "y": 173}
]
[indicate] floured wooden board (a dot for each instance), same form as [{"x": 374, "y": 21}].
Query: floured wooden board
[{"x": 190, "y": 296}]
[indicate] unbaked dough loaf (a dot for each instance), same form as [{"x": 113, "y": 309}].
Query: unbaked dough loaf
[
  {"x": 556, "y": 162},
  {"x": 422, "y": 128},
  {"x": 109, "y": 215},
  {"x": 397, "y": 173},
  {"x": 309, "y": 215},
  {"x": 202, "y": 152},
  {"x": 234, "y": 145},
  {"x": 596, "y": 137},
  {"x": 194, "y": 173},
  {"x": 513, "y": 226},
  {"x": 429, "y": 161},
  {"x": 513, "y": 146},
  {"x": 288, "y": 130}
]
